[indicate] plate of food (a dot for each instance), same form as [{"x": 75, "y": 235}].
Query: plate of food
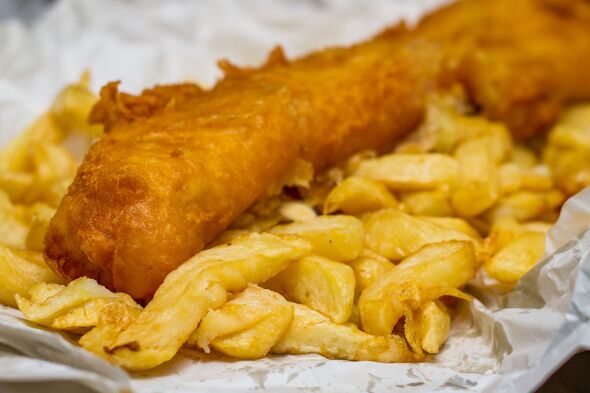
[{"x": 403, "y": 212}]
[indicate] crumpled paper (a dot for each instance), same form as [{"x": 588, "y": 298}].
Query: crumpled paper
[{"x": 498, "y": 343}]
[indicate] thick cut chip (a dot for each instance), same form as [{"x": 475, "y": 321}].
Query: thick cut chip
[
  {"x": 499, "y": 139},
  {"x": 433, "y": 323},
  {"x": 455, "y": 224},
  {"x": 326, "y": 286},
  {"x": 569, "y": 135},
  {"x": 297, "y": 211},
  {"x": 335, "y": 237},
  {"x": 427, "y": 203},
  {"x": 411, "y": 171},
  {"x": 49, "y": 171},
  {"x": 312, "y": 332},
  {"x": 54, "y": 169},
  {"x": 568, "y": 155},
  {"x": 395, "y": 235},
  {"x": 523, "y": 156},
  {"x": 570, "y": 167},
  {"x": 526, "y": 205},
  {"x": 568, "y": 150},
  {"x": 105, "y": 332},
  {"x": 356, "y": 195},
  {"x": 478, "y": 185},
  {"x": 40, "y": 214},
  {"x": 368, "y": 268},
  {"x": 39, "y": 293},
  {"x": 120, "y": 309},
  {"x": 27, "y": 161},
  {"x": 247, "y": 326},
  {"x": 355, "y": 317},
  {"x": 514, "y": 178},
  {"x": 228, "y": 236},
  {"x": 537, "y": 226},
  {"x": 16, "y": 184},
  {"x": 189, "y": 292},
  {"x": 578, "y": 116},
  {"x": 19, "y": 271},
  {"x": 436, "y": 270},
  {"x": 510, "y": 178},
  {"x": 55, "y": 192},
  {"x": 502, "y": 232},
  {"x": 507, "y": 229},
  {"x": 517, "y": 257},
  {"x": 355, "y": 160},
  {"x": 443, "y": 126},
  {"x": 15, "y": 156},
  {"x": 75, "y": 294},
  {"x": 52, "y": 162},
  {"x": 72, "y": 107},
  {"x": 13, "y": 226}
]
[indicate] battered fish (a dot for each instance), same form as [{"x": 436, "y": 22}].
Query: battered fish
[
  {"x": 178, "y": 164},
  {"x": 169, "y": 177},
  {"x": 519, "y": 61}
]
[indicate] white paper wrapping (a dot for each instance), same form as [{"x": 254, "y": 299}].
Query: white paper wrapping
[{"x": 498, "y": 343}]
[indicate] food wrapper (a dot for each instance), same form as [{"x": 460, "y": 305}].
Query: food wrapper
[{"x": 499, "y": 342}]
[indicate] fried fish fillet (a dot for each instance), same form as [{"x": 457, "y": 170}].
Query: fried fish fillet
[
  {"x": 158, "y": 187},
  {"x": 519, "y": 61},
  {"x": 178, "y": 163}
]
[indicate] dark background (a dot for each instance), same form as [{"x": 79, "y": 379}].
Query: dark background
[{"x": 572, "y": 377}]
